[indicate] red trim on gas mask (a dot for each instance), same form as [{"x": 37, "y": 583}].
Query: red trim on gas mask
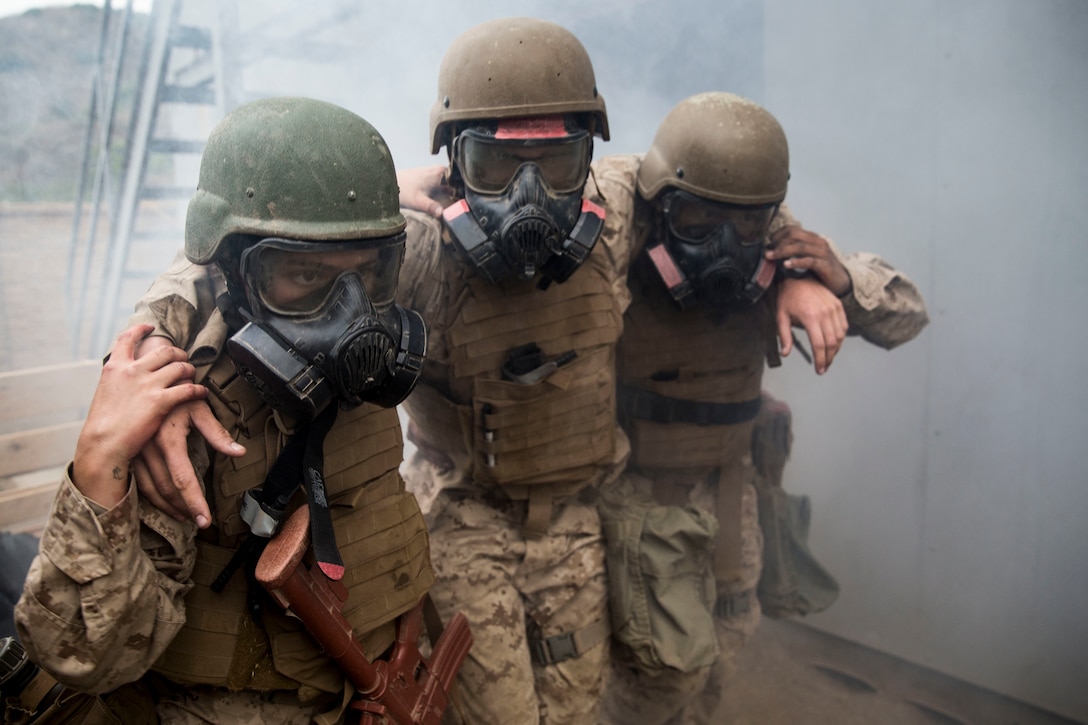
[
  {"x": 765, "y": 274},
  {"x": 665, "y": 265}
]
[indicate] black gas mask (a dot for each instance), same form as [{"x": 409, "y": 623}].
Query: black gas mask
[
  {"x": 523, "y": 211},
  {"x": 712, "y": 253},
  {"x": 321, "y": 325}
]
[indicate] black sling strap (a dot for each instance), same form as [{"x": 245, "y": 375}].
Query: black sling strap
[
  {"x": 302, "y": 459},
  {"x": 322, "y": 536}
]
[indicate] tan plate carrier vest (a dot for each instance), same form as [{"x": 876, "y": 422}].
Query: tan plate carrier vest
[
  {"x": 538, "y": 441},
  {"x": 690, "y": 357},
  {"x": 379, "y": 529}
]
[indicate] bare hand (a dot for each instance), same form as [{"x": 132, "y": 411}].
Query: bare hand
[
  {"x": 425, "y": 189},
  {"x": 799, "y": 249},
  {"x": 131, "y": 400},
  {"x": 809, "y": 304},
  {"x": 164, "y": 472}
]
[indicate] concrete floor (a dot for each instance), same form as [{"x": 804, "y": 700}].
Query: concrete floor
[{"x": 792, "y": 674}]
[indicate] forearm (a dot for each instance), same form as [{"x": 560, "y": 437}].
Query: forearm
[
  {"x": 883, "y": 305},
  {"x": 104, "y": 598}
]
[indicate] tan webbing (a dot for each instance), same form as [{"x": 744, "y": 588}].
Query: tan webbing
[
  {"x": 727, "y": 551},
  {"x": 218, "y": 644},
  {"x": 693, "y": 356},
  {"x": 555, "y": 433},
  {"x": 577, "y": 315},
  {"x": 542, "y": 431},
  {"x": 38, "y": 687},
  {"x": 539, "y": 514},
  {"x": 379, "y": 528}
]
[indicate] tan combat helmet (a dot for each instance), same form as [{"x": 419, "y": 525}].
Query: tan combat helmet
[
  {"x": 510, "y": 68},
  {"x": 721, "y": 147}
]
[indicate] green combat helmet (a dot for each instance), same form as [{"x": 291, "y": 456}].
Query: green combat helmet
[
  {"x": 721, "y": 147},
  {"x": 512, "y": 68},
  {"x": 297, "y": 203},
  {"x": 258, "y": 172}
]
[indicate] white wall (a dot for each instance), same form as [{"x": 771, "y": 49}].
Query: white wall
[{"x": 949, "y": 476}]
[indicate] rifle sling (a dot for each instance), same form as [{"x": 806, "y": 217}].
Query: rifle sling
[
  {"x": 302, "y": 455},
  {"x": 322, "y": 536}
]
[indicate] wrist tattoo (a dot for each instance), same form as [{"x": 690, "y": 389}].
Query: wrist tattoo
[{"x": 120, "y": 473}]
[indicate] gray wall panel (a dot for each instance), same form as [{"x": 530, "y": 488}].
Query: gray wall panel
[{"x": 948, "y": 476}]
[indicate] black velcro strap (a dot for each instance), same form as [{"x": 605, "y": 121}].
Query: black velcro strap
[
  {"x": 735, "y": 605},
  {"x": 552, "y": 650},
  {"x": 471, "y": 238},
  {"x": 645, "y": 405}
]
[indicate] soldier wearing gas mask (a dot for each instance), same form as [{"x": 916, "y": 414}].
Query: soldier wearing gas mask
[
  {"x": 513, "y": 417},
  {"x": 710, "y": 301},
  {"x": 522, "y": 211},
  {"x": 296, "y": 229}
]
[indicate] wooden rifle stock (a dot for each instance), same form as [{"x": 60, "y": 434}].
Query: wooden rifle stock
[{"x": 408, "y": 688}]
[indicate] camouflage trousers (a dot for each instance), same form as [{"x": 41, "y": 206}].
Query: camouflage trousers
[
  {"x": 175, "y": 704},
  {"x": 512, "y": 589},
  {"x": 673, "y": 697}
]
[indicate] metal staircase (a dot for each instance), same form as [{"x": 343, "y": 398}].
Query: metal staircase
[
  {"x": 199, "y": 59},
  {"x": 185, "y": 87}
]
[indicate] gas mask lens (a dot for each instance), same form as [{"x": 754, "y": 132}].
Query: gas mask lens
[
  {"x": 696, "y": 220},
  {"x": 294, "y": 278},
  {"x": 488, "y": 165}
]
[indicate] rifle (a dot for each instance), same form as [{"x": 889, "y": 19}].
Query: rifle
[{"x": 408, "y": 689}]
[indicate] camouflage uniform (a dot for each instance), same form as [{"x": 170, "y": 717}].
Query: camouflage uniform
[
  {"x": 118, "y": 593},
  {"x": 514, "y": 587},
  {"x": 512, "y": 470},
  {"x": 710, "y": 466}
]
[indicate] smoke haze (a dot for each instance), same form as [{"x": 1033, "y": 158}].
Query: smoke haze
[{"x": 947, "y": 477}]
